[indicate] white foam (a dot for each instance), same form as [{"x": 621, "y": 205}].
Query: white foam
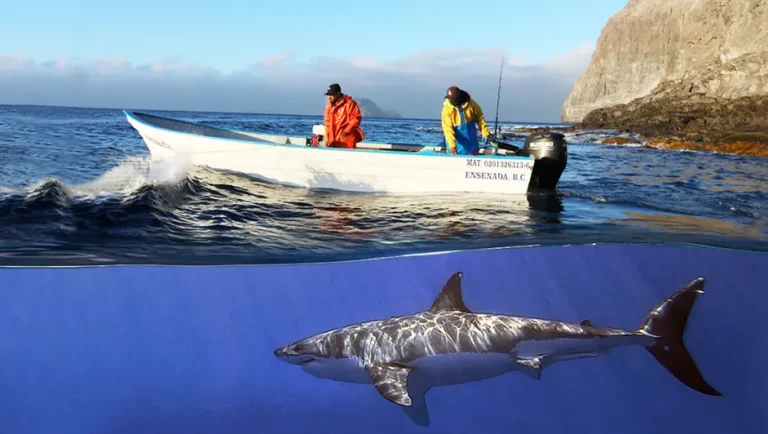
[
  {"x": 598, "y": 136},
  {"x": 134, "y": 173},
  {"x": 128, "y": 176}
]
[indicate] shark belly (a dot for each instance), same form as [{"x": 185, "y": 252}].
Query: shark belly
[
  {"x": 436, "y": 370},
  {"x": 345, "y": 370},
  {"x": 458, "y": 368}
]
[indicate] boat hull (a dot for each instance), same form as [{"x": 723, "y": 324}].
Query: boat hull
[{"x": 289, "y": 161}]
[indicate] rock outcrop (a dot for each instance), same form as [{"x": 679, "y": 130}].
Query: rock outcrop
[
  {"x": 714, "y": 104},
  {"x": 755, "y": 145},
  {"x": 677, "y": 66},
  {"x": 369, "y": 109}
]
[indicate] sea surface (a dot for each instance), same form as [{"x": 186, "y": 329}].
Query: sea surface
[
  {"x": 77, "y": 188},
  {"x": 140, "y": 348}
]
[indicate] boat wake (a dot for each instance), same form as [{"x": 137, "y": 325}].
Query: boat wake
[
  {"x": 136, "y": 198},
  {"x": 133, "y": 175},
  {"x": 137, "y": 172},
  {"x": 168, "y": 212}
]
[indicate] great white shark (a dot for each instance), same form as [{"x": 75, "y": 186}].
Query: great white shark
[{"x": 448, "y": 344}]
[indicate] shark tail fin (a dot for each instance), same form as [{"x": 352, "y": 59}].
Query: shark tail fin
[{"x": 667, "y": 323}]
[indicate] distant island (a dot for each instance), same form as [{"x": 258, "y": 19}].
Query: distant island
[
  {"x": 371, "y": 110},
  {"x": 687, "y": 74}
]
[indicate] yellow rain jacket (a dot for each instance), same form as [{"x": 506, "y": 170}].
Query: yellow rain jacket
[{"x": 460, "y": 126}]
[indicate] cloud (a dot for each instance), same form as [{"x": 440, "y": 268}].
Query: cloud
[
  {"x": 21, "y": 66},
  {"x": 274, "y": 60},
  {"x": 426, "y": 65},
  {"x": 571, "y": 63},
  {"x": 284, "y": 82},
  {"x": 10, "y": 62}
]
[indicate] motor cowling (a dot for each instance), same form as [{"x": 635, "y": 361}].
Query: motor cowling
[{"x": 550, "y": 150}]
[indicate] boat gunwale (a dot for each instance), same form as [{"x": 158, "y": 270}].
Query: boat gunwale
[{"x": 132, "y": 114}]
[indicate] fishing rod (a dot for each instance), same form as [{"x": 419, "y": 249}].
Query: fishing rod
[
  {"x": 498, "y": 143},
  {"x": 498, "y": 98}
]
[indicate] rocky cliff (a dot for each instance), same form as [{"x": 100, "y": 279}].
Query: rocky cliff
[{"x": 682, "y": 65}]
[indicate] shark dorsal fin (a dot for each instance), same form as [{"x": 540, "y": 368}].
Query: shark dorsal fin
[
  {"x": 586, "y": 322},
  {"x": 450, "y": 298}
]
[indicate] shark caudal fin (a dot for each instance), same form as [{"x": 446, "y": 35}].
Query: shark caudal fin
[{"x": 667, "y": 321}]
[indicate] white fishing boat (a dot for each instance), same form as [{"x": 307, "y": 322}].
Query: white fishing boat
[{"x": 372, "y": 167}]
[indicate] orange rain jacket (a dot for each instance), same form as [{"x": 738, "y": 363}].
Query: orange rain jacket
[{"x": 343, "y": 117}]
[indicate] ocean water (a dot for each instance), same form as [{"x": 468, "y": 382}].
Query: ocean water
[
  {"x": 77, "y": 187},
  {"x": 189, "y": 350},
  {"x": 146, "y": 348}
]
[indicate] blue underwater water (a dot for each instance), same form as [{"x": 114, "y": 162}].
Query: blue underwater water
[
  {"x": 146, "y": 298},
  {"x": 190, "y": 349}
]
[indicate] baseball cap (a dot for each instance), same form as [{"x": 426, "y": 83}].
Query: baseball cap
[
  {"x": 333, "y": 89},
  {"x": 452, "y": 92}
]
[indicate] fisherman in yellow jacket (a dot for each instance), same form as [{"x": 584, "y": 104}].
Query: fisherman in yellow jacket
[{"x": 461, "y": 117}]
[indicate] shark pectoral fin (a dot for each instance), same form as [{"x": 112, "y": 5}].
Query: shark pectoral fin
[
  {"x": 450, "y": 298},
  {"x": 391, "y": 380},
  {"x": 530, "y": 367}
]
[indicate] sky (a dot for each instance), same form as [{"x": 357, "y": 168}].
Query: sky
[{"x": 279, "y": 56}]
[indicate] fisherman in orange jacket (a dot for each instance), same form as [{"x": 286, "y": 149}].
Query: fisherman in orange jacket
[{"x": 342, "y": 119}]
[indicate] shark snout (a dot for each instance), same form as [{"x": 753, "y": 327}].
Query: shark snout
[
  {"x": 294, "y": 353},
  {"x": 282, "y": 352}
]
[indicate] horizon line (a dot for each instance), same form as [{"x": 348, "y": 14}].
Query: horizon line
[{"x": 87, "y": 107}]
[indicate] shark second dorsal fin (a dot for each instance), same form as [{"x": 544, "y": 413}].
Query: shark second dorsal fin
[
  {"x": 391, "y": 380},
  {"x": 450, "y": 298}
]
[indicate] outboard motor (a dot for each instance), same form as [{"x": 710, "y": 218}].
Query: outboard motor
[{"x": 550, "y": 151}]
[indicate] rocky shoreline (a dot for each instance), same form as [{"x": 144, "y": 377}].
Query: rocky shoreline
[
  {"x": 677, "y": 118},
  {"x": 708, "y": 118}
]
